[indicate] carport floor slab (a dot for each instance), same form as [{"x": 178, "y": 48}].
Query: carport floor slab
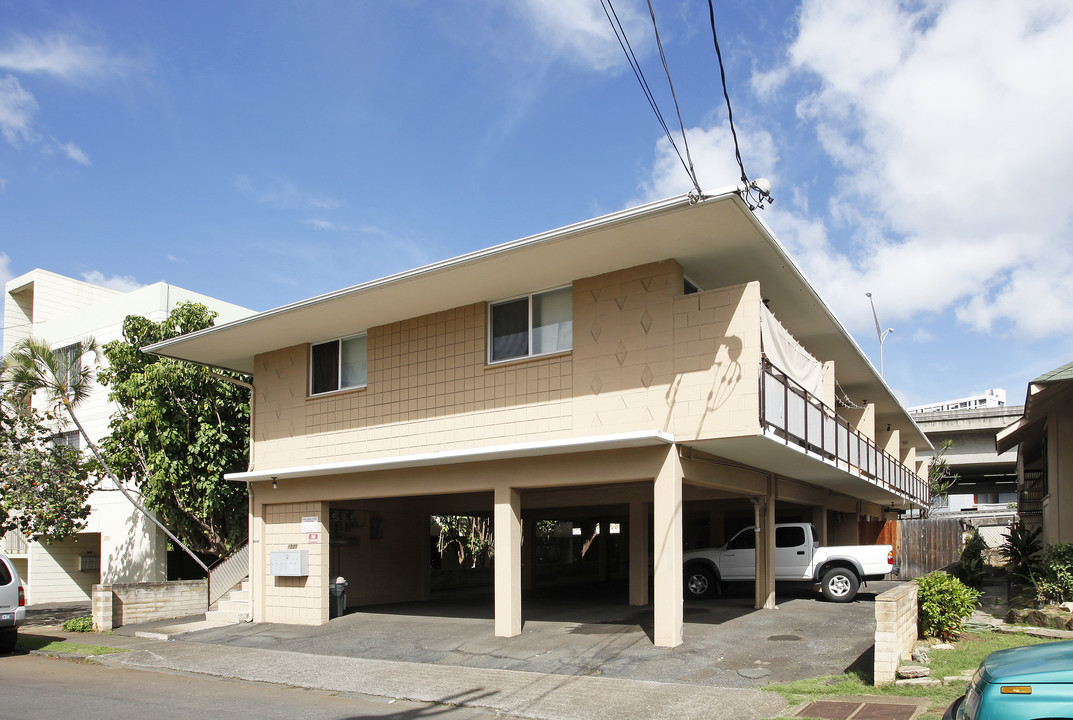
[
  {"x": 864, "y": 708},
  {"x": 726, "y": 643}
]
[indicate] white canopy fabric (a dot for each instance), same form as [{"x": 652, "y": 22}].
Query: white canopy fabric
[{"x": 787, "y": 355}]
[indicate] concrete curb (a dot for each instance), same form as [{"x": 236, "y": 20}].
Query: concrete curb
[{"x": 521, "y": 694}]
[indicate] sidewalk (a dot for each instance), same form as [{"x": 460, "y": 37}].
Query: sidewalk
[{"x": 515, "y": 693}]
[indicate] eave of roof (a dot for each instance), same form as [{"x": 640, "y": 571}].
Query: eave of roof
[{"x": 717, "y": 240}]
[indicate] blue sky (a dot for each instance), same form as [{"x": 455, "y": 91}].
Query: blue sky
[{"x": 263, "y": 153}]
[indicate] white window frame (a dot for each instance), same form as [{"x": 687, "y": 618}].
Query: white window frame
[
  {"x": 529, "y": 354},
  {"x": 339, "y": 365}
]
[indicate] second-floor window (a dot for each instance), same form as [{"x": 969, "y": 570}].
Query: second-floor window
[
  {"x": 66, "y": 439},
  {"x": 339, "y": 365},
  {"x": 71, "y": 364},
  {"x": 536, "y": 324}
]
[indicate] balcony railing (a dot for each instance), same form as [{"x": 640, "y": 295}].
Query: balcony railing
[
  {"x": 791, "y": 413},
  {"x": 13, "y": 544}
]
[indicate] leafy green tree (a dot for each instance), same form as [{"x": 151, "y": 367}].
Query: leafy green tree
[
  {"x": 34, "y": 367},
  {"x": 178, "y": 428},
  {"x": 940, "y": 476},
  {"x": 44, "y": 485}
]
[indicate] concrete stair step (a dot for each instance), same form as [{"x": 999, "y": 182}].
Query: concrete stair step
[
  {"x": 238, "y": 595},
  {"x": 225, "y": 605},
  {"x": 226, "y": 616}
]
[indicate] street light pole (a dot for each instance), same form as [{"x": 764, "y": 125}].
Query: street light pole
[{"x": 881, "y": 334}]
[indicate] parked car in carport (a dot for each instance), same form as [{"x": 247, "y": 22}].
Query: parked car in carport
[
  {"x": 12, "y": 604},
  {"x": 1033, "y": 682},
  {"x": 837, "y": 571}
]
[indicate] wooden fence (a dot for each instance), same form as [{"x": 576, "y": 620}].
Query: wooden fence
[{"x": 920, "y": 546}]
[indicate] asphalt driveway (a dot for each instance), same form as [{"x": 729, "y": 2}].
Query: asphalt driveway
[{"x": 587, "y": 631}]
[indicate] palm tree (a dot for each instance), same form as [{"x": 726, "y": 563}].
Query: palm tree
[{"x": 34, "y": 366}]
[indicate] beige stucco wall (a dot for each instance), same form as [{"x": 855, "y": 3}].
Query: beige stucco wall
[{"x": 644, "y": 357}]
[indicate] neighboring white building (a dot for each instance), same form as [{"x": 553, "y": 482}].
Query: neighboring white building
[
  {"x": 119, "y": 545},
  {"x": 995, "y": 397}
]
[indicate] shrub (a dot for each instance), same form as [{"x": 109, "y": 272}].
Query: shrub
[
  {"x": 944, "y": 603},
  {"x": 972, "y": 559},
  {"x": 1021, "y": 548},
  {"x": 78, "y": 624},
  {"x": 1053, "y": 578}
]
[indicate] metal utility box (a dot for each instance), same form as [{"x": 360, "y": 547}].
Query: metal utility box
[{"x": 289, "y": 563}]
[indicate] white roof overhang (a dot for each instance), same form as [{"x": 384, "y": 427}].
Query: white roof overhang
[
  {"x": 435, "y": 459},
  {"x": 718, "y": 241}
]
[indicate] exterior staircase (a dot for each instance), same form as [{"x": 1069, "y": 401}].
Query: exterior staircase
[{"x": 233, "y": 607}]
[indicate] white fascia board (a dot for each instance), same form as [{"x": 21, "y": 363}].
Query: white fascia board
[{"x": 453, "y": 457}]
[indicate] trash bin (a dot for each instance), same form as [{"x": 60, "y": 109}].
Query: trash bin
[{"x": 337, "y": 598}]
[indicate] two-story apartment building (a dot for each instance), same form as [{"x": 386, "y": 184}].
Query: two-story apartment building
[
  {"x": 667, "y": 366},
  {"x": 118, "y": 545}
]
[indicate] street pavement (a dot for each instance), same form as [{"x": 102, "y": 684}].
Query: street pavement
[{"x": 566, "y": 665}]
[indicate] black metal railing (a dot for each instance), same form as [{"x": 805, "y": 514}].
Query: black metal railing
[{"x": 791, "y": 413}]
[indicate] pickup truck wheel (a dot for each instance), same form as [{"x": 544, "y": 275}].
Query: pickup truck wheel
[
  {"x": 700, "y": 583},
  {"x": 839, "y": 585},
  {"x": 7, "y": 641}
]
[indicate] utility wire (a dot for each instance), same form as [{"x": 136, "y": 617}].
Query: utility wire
[
  {"x": 685, "y": 142},
  {"x": 726, "y": 95},
  {"x": 631, "y": 57}
]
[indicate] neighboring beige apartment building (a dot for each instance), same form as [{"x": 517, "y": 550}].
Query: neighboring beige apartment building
[
  {"x": 666, "y": 368},
  {"x": 1043, "y": 438},
  {"x": 119, "y": 545}
]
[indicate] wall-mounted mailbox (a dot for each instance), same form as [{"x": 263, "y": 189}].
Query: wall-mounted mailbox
[{"x": 289, "y": 563}]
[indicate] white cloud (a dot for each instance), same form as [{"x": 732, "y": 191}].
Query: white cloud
[
  {"x": 123, "y": 283},
  {"x": 579, "y": 30},
  {"x": 950, "y": 129},
  {"x": 67, "y": 57},
  {"x": 320, "y": 224},
  {"x": 75, "y": 153},
  {"x": 5, "y": 269},
  {"x": 921, "y": 336},
  {"x": 281, "y": 193},
  {"x": 17, "y": 110},
  {"x": 712, "y": 151}
]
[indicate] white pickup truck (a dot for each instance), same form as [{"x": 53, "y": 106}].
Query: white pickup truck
[{"x": 839, "y": 571}]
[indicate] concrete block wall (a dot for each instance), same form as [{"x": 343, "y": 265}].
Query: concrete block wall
[
  {"x": 296, "y": 600},
  {"x": 129, "y": 604},
  {"x": 896, "y": 630},
  {"x": 644, "y": 357}
]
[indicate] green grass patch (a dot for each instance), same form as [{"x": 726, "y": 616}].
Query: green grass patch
[
  {"x": 967, "y": 654},
  {"x": 38, "y": 642}
]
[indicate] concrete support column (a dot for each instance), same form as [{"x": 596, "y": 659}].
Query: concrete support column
[
  {"x": 819, "y": 521},
  {"x": 667, "y": 551},
  {"x": 765, "y": 548},
  {"x": 638, "y": 530},
  {"x": 528, "y": 552},
  {"x": 603, "y": 537},
  {"x": 829, "y": 384},
  {"x": 426, "y": 553},
  {"x": 508, "y": 561}
]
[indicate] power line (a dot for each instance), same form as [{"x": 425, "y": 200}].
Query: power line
[
  {"x": 685, "y": 142},
  {"x": 635, "y": 65},
  {"x": 763, "y": 189}
]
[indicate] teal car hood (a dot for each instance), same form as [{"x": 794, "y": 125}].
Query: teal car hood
[{"x": 1046, "y": 663}]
